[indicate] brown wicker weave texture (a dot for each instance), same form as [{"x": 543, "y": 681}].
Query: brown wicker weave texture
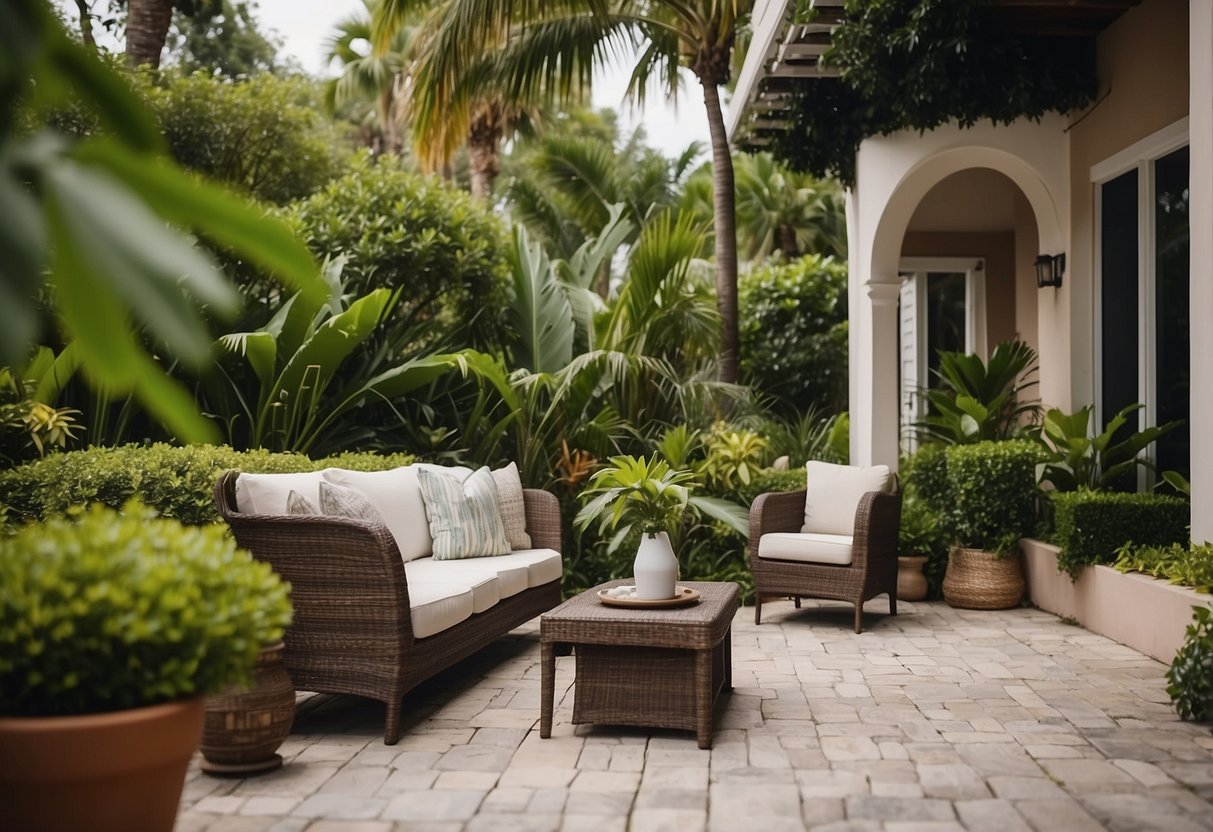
[
  {"x": 873, "y": 568},
  {"x": 352, "y": 633},
  {"x": 978, "y": 580},
  {"x": 660, "y": 668}
]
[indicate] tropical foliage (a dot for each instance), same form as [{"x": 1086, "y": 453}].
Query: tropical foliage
[
  {"x": 1106, "y": 460},
  {"x": 978, "y": 401}
]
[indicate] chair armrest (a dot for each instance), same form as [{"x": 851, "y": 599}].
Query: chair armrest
[
  {"x": 543, "y": 519},
  {"x": 877, "y": 525},
  {"x": 775, "y": 511}
]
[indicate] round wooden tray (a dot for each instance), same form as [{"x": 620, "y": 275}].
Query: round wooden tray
[{"x": 682, "y": 597}]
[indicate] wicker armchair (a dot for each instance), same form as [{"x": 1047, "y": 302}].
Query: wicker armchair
[
  {"x": 873, "y": 566},
  {"x": 352, "y": 632}
]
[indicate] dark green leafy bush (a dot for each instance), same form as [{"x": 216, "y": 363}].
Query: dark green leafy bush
[
  {"x": 771, "y": 480},
  {"x": 926, "y": 474},
  {"x": 263, "y": 136},
  {"x": 176, "y": 481},
  {"x": 1188, "y": 566},
  {"x": 112, "y": 610},
  {"x": 993, "y": 488},
  {"x": 1190, "y": 679},
  {"x": 1090, "y": 526},
  {"x": 794, "y": 333},
  {"x": 444, "y": 250}
]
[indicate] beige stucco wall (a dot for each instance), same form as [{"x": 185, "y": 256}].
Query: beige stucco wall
[
  {"x": 1027, "y": 246},
  {"x": 1143, "y": 72}
]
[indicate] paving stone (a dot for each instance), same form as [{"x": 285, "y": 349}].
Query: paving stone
[
  {"x": 952, "y": 782},
  {"x": 593, "y": 823},
  {"x": 538, "y": 777},
  {"x": 1054, "y": 815},
  {"x": 443, "y": 804},
  {"x": 750, "y": 801},
  {"x": 469, "y": 780},
  {"x": 668, "y": 820},
  {"x": 990, "y": 816},
  {"x": 838, "y": 749},
  {"x": 898, "y": 809},
  {"x": 1025, "y": 788},
  {"x": 341, "y": 806},
  {"x": 1140, "y": 812},
  {"x": 350, "y": 826},
  {"x": 1144, "y": 773}
]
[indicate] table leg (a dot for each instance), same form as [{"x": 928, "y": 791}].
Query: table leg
[
  {"x": 547, "y": 654},
  {"x": 703, "y": 697}
]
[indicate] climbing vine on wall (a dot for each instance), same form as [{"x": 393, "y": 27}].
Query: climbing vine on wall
[{"x": 918, "y": 64}]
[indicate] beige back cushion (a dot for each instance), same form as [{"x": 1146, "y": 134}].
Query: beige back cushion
[
  {"x": 267, "y": 493},
  {"x": 396, "y": 495},
  {"x": 833, "y": 493}
]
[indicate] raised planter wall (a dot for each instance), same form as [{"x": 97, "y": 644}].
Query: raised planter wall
[{"x": 1148, "y": 614}]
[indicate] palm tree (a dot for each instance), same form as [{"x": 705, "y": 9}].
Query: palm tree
[
  {"x": 530, "y": 47},
  {"x": 377, "y": 75},
  {"x": 778, "y": 209},
  {"x": 147, "y": 23}
]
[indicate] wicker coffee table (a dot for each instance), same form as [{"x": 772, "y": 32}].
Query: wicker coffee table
[{"x": 658, "y": 668}]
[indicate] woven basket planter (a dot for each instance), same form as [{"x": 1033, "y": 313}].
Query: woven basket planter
[{"x": 979, "y": 580}]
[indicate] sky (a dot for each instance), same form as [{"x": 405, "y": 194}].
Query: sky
[{"x": 304, "y": 25}]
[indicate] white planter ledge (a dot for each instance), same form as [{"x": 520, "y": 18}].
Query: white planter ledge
[{"x": 1148, "y": 614}]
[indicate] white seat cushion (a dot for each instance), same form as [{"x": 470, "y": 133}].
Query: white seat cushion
[
  {"x": 267, "y": 493},
  {"x": 511, "y": 577},
  {"x": 833, "y": 493},
  {"x": 486, "y": 589},
  {"x": 434, "y": 606},
  {"x": 542, "y": 565},
  {"x": 833, "y": 549}
]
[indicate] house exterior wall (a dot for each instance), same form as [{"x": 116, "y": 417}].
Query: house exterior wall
[
  {"x": 894, "y": 174},
  {"x": 1143, "y": 73},
  {"x": 1200, "y": 217}
]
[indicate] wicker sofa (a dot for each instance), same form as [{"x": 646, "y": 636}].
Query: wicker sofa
[{"x": 355, "y": 618}]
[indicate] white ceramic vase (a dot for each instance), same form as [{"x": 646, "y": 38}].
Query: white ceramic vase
[{"x": 656, "y": 568}]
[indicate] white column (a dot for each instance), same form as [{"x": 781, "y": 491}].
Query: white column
[
  {"x": 876, "y": 442},
  {"x": 1200, "y": 50}
]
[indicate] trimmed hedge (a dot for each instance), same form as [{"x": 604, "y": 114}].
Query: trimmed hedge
[
  {"x": 993, "y": 492},
  {"x": 176, "y": 481},
  {"x": 1089, "y": 526},
  {"x": 771, "y": 480}
]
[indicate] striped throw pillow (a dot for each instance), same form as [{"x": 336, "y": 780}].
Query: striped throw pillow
[
  {"x": 464, "y": 519},
  {"x": 339, "y": 501}
]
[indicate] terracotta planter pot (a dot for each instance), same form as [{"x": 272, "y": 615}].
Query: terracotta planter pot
[
  {"x": 978, "y": 580},
  {"x": 245, "y": 726},
  {"x": 911, "y": 583},
  {"x": 109, "y": 772}
]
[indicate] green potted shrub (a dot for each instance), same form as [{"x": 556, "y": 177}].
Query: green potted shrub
[
  {"x": 918, "y": 536},
  {"x": 993, "y": 491},
  {"x": 113, "y": 628},
  {"x": 647, "y": 496}
]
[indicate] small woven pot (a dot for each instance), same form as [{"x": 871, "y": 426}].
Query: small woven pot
[
  {"x": 979, "y": 580},
  {"x": 245, "y": 726}
]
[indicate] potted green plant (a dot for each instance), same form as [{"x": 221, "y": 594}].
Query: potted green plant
[
  {"x": 113, "y": 627},
  {"x": 649, "y": 497},
  {"x": 919, "y": 534},
  {"x": 993, "y": 493}
]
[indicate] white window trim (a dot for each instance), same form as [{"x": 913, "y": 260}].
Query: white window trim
[{"x": 1139, "y": 156}]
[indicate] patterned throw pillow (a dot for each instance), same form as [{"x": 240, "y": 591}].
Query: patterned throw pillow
[
  {"x": 296, "y": 503},
  {"x": 339, "y": 501},
  {"x": 512, "y": 506},
  {"x": 464, "y": 519}
]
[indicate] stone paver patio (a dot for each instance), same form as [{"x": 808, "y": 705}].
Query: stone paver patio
[{"x": 937, "y": 719}]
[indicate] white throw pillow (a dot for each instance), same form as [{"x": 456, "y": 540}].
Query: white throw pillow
[
  {"x": 833, "y": 493},
  {"x": 267, "y": 493},
  {"x": 512, "y": 505},
  {"x": 396, "y": 495}
]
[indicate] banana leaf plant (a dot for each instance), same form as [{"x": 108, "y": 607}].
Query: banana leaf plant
[
  {"x": 978, "y": 401},
  {"x": 296, "y": 356},
  {"x": 1080, "y": 460}
]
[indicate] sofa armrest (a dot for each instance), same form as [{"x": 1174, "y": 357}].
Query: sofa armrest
[
  {"x": 347, "y": 579},
  {"x": 776, "y": 511},
  {"x": 543, "y": 519}
]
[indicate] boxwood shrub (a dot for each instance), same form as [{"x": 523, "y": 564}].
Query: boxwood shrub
[
  {"x": 1090, "y": 526},
  {"x": 176, "y": 481},
  {"x": 993, "y": 493}
]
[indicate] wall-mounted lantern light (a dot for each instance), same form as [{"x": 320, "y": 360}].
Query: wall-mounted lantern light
[{"x": 1049, "y": 268}]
